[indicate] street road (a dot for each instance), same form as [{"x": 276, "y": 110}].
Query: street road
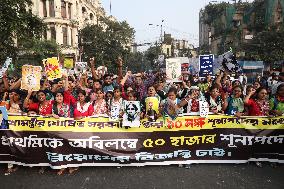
[{"x": 197, "y": 176}]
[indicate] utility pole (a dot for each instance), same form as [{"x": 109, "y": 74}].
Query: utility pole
[{"x": 162, "y": 31}]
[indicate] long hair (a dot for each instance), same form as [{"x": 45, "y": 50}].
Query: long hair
[
  {"x": 257, "y": 92},
  {"x": 54, "y": 106}
]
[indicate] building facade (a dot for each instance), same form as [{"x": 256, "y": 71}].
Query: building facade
[
  {"x": 176, "y": 47},
  {"x": 64, "y": 19}
]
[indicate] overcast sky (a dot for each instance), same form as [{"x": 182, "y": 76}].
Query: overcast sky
[{"x": 180, "y": 17}]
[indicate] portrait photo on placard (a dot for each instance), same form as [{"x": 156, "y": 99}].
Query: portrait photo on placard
[
  {"x": 152, "y": 108},
  {"x": 131, "y": 116},
  {"x": 31, "y": 76}
]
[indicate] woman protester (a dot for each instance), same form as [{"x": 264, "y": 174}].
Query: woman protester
[
  {"x": 100, "y": 105},
  {"x": 257, "y": 102},
  {"x": 214, "y": 100},
  {"x": 83, "y": 107},
  {"x": 234, "y": 104}
]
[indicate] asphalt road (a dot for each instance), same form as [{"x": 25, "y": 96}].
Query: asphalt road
[{"x": 197, "y": 176}]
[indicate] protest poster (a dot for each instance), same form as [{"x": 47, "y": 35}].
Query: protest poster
[
  {"x": 52, "y": 68},
  {"x": 171, "y": 109},
  {"x": 152, "y": 108},
  {"x": 101, "y": 70},
  {"x": 3, "y": 118},
  {"x": 173, "y": 70},
  {"x": 228, "y": 62},
  {"x": 206, "y": 65},
  {"x": 31, "y": 76},
  {"x": 203, "y": 108},
  {"x": 114, "y": 112},
  {"x": 5, "y": 66},
  {"x": 81, "y": 67},
  {"x": 68, "y": 63},
  {"x": 131, "y": 116}
]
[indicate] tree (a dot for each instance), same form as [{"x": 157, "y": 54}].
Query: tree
[
  {"x": 17, "y": 25},
  {"x": 267, "y": 46},
  {"x": 152, "y": 55},
  {"x": 138, "y": 62},
  {"x": 106, "y": 41}
]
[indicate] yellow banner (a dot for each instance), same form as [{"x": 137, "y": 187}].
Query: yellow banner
[{"x": 102, "y": 124}]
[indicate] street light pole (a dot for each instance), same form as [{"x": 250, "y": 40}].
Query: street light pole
[{"x": 162, "y": 31}]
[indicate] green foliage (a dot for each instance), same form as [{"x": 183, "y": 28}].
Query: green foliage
[
  {"x": 35, "y": 51},
  {"x": 106, "y": 41},
  {"x": 137, "y": 62},
  {"x": 213, "y": 12},
  {"x": 17, "y": 22},
  {"x": 267, "y": 46},
  {"x": 152, "y": 54}
]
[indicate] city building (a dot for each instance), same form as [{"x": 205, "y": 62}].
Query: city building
[
  {"x": 176, "y": 47},
  {"x": 64, "y": 19},
  {"x": 237, "y": 24}
]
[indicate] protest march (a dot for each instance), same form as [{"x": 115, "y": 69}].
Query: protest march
[{"x": 67, "y": 114}]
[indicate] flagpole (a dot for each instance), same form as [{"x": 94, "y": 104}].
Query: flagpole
[{"x": 110, "y": 7}]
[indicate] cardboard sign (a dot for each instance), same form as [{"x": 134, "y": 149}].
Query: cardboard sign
[
  {"x": 5, "y": 67},
  {"x": 80, "y": 67},
  {"x": 68, "y": 63},
  {"x": 114, "y": 112},
  {"x": 206, "y": 65},
  {"x": 31, "y": 76},
  {"x": 228, "y": 62},
  {"x": 52, "y": 68},
  {"x": 173, "y": 70},
  {"x": 170, "y": 109},
  {"x": 203, "y": 108},
  {"x": 3, "y": 117},
  {"x": 131, "y": 116},
  {"x": 152, "y": 108},
  {"x": 102, "y": 70}
]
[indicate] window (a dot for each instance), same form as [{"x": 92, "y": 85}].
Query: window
[
  {"x": 44, "y": 8},
  {"x": 83, "y": 10},
  {"x": 71, "y": 35},
  {"x": 63, "y": 9},
  {"x": 65, "y": 36},
  {"x": 91, "y": 16},
  {"x": 51, "y": 8},
  {"x": 53, "y": 33},
  {"x": 70, "y": 10}
]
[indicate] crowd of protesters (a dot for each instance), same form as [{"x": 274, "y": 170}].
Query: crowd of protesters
[
  {"x": 79, "y": 97},
  {"x": 82, "y": 96}
]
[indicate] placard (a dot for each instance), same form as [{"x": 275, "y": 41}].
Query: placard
[
  {"x": 31, "y": 76},
  {"x": 131, "y": 116},
  {"x": 173, "y": 70},
  {"x": 52, "y": 68}
]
